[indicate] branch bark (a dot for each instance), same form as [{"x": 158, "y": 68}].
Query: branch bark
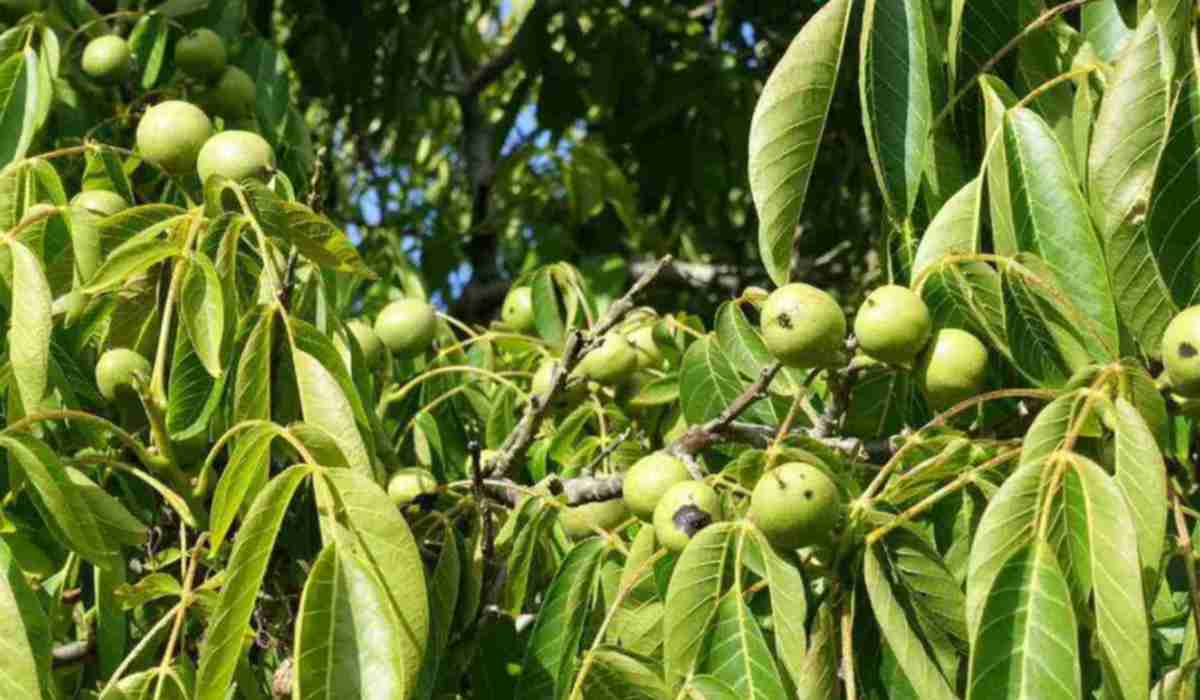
[
  {"x": 701, "y": 436},
  {"x": 579, "y": 344}
]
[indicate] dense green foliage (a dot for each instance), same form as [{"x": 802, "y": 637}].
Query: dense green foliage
[{"x": 550, "y": 349}]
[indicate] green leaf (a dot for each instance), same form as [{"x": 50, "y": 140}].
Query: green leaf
[
  {"x": 954, "y": 230},
  {"x": 252, "y": 390},
  {"x": 202, "y": 311},
  {"x": 898, "y": 631},
  {"x": 1142, "y": 479},
  {"x": 60, "y": 501},
  {"x": 271, "y": 72},
  {"x": 1154, "y": 266},
  {"x": 1121, "y": 625},
  {"x": 1049, "y": 429},
  {"x": 117, "y": 525},
  {"x": 129, "y": 260},
  {"x": 348, "y": 642},
  {"x": 148, "y": 41},
  {"x": 1049, "y": 219},
  {"x": 112, "y": 632},
  {"x": 708, "y": 688},
  {"x": 319, "y": 240},
  {"x": 896, "y": 89},
  {"x": 693, "y": 595},
  {"x": 980, "y": 29},
  {"x": 193, "y": 396},
  {"x": 1006, "y": 527},
  {"x": 1175, "y": 24},
  {"x": 245, "y": 473},
  {"x": 1104, "y": 28},
  {"x": 369, "y": 522},
  {"x": 222, "y": 643},
  {"x": 1026, "y": 646},
  {"x": 746, "y": 350},
  {"x": 29, "y": 326},
  {"x": 25, "y": 637},
  {"x": 789, "y": 607},
  {"x": 636, "y": 624},
  {"x": 443, "y": 601},
  {"x": 737, "y": 652},
  {"x": 1043, "y": 333},
  {"x": 326, "y": 407},
  {"x": 818, "y": 678},
  {"x": 786, "y": 130},
  {"x": 616, "y": 674},
  {"x": 19, "y": 96},
  {"x": 554, "y": 642},
  {"x": 709, "y": 381},
  {"x": 1130, "y": 130}
]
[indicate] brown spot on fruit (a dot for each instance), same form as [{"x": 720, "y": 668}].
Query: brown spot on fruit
[
  {"x": 784, "y": 320},
  {"x": 690, "y": 520},
  {"x": 808, "y": 494},
  {"x": 1187, "y": 350}
]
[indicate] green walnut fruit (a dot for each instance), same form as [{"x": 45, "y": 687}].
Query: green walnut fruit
[
  {"x": 233, "y": 95},
  {"x": 803, "y": 326},
  {"x": 119, "y": 370},
  {"x": 649, "y": 354},
  {"x": 684, "y": 510},
  {"x": 407, "y": 326},
  {"x": 1181, "y": 352},
  {"x": 649, "y": 479},
  {"x": 237, "y": 155},
  {"x": 107, "y": 59},
  {"x": 410, "y": 485},
  {"x": 795, "y": 505},
  {"x": 171, "y": 134},
  {"x": 100, "y": 202},
  {"x": 573, "y": 392},
  {"x": 893, "y": 325},
  {"x": 611, "y": 363},
  {"x": 201, "y": 55},
  {"x": 517, "y": 312},
  {"x": 368, "y": 341},
  {"x": 954, "y": 368},
  {"x": 580, "y": 522}
]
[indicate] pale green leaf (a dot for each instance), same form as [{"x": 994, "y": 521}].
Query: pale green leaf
[
  {"x": 348, "y": 641},
  {"x": 1122, "y": 627},
  {"x": 1006, "y": 526},
  {"x": 1026, "y": 648},
  {"x": 1129, "y": 132},
  {"x": 692, "y": 598},
  {"x": 897, "y": 629},
  {"x": 223, "y": 640},
  {"x": 737, "y": 651},
  {"x": 29, "y": 326},
  {"x": 1142, "y": 478},
  {"x": 554, "y": 642},
  {"x": 20, "y": 90},
  {"x": 61, "y": 502},
  {"x": 25, "y": 636},
  {"x": 368, "y": 522},
  {"x": 202, "y": 310},
  {"x": 786, "y": 131},
  {"x": 615, "y": 675}
]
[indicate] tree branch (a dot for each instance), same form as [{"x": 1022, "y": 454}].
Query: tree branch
[
  {"x": 72, "y": 652},
  {"x": 579, "y": 344},
  {"x": 701, "y": 436}
]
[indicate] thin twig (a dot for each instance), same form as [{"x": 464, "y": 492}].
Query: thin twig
[
  {"x": 606, "y": 452},
  {"x": 701, "y": 436},
  {"x": 1184, "y": 539},
  {"x": 579, "y": 344}
]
